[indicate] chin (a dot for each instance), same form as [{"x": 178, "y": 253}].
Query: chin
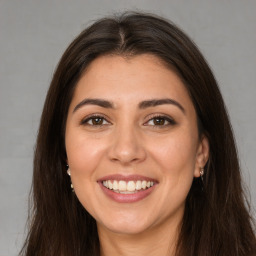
[{"x": 125, "y": 227}]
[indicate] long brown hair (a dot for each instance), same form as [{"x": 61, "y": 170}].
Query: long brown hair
[{"x": 216, "y": 219}]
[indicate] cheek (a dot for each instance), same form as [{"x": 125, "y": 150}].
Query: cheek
[
  {"x": 176, "y": 160},
  {"x": 176, "y": 154},
  {"x": 83, "y": 155}
]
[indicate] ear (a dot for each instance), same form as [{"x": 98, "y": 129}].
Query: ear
[{"x": 202, "y": 155}]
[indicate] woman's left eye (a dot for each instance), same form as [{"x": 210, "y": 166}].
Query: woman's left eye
[{"x": 160, "y": 121}]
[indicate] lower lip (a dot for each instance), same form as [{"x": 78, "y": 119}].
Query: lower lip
[{"x": 127, "y": 198}]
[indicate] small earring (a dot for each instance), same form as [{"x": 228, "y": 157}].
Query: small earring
[
  {"x": 69, "y": 173},
  {"x": 202, "y": 174}
]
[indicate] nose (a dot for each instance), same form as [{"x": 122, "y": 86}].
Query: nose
[{"x": 127, "y": 147}]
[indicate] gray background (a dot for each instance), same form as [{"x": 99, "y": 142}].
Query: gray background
[{"x": 34, "y": 34}]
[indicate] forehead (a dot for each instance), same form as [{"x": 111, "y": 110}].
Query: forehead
[{"x": 127, "y": 79}]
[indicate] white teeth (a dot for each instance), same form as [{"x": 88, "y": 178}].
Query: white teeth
[
  {"x": 138, "y": 185},
  {"x": 124, "y": 192},
  {"x": 122, "y": 185},
  {"x": 115, "y": 185},
  {"x": 143, "y": 184},
  {"x": 110, "y": 185},
  {"x": 129, "y": 187}
]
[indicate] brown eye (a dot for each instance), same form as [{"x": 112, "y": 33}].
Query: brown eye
[
  {"x": 159, "y": 121},
  {"x": 95, "y": 121}
]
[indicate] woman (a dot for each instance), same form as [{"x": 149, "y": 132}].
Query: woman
[{"x": 135, "y": 153}]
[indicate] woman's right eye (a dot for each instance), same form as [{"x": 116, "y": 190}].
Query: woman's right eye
[{"x": 95, "y": 121}]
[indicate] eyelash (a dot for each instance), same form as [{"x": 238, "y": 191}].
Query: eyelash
[
  {"x": 151, "y": 118},
  {"x": 164, "y": 118},
  {"x": 94, "y": 117}
]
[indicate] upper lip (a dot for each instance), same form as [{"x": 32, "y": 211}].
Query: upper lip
[{"x": 119, "y": 177}]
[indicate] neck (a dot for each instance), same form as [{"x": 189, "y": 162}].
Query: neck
[{"x": 153, "y": 242}]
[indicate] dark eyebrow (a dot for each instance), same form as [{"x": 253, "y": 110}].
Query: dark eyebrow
[
  {"x": 98, "y": 102},
  {"x": 142, "y": 105},
  {"x": 157, "y": 102}
]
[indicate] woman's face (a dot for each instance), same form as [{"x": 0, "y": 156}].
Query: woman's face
[{"x": 132, "y": 143}]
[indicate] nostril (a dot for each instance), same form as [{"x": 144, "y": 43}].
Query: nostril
[
  {"x": 126, "y": 156},
  {"x": 126, "y": 147}
]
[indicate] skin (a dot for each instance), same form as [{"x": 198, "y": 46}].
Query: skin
[{"x": 130, "y": 140}]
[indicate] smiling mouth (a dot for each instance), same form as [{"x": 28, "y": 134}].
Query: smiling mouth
[{"x": 127, "y": 187}]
